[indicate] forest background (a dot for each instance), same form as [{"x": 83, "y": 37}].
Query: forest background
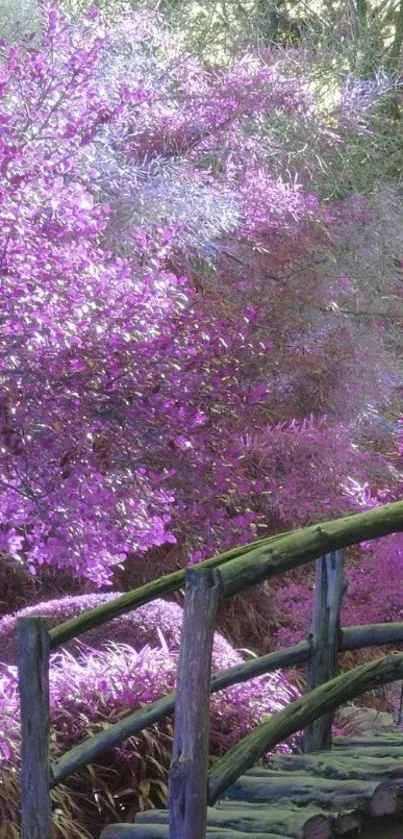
[{"x": 201, "y": 262}]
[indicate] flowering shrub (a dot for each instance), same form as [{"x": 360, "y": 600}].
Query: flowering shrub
[
  {"x": 125, "y": 392},
  {"x": 294, "y": 603}
]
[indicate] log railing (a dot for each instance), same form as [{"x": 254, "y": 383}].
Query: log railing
[{"x": 221, "y": 576}]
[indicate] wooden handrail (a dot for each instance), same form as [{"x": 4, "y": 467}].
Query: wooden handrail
[
  {"x": 146, "y": 593},
  {"x": 297, "y": 715},
  {"x": 251, "y": 564},
  {"x": 303, "y": 546}
]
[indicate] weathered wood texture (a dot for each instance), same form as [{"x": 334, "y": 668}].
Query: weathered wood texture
[
  {"x": 324, "y": 640},
  {"x": 297, "y": 715},
  {"x": 252, "y": 563},
  {"x": 301, "y": 788},
  {"x": 256, "y": 818},
  {"x": 189, "y": 766},
  {"x": 33, "y": 674},
  {"x": 370, "y": 635},
  {"x": 349, "y": 766},
  {"x": 381, "y": 741}
]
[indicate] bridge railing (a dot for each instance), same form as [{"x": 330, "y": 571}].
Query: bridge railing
[{"x": 205, "y": 584}]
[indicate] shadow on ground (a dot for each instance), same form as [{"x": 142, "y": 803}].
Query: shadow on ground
[{"x": 382, "y": 829}]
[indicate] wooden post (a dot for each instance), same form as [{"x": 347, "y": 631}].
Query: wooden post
[
  {"x": 33, "y": 663},
  {"x": 324, "y": 639},
  {"x": 189, "y": 767}
]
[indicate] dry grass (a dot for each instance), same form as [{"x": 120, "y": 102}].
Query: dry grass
[{"x": 110, "y": 791}]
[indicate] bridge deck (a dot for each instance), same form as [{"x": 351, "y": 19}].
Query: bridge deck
[{"x": 315, "y": 796}]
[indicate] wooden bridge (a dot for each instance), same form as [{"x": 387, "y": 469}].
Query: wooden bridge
[
  {"x": 315, "y": 797},
  {"x": 323, "y": 792}
]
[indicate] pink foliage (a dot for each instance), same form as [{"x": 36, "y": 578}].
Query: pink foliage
[
  {"x": 174, "y": 367},
  {"x": 118, "y": 380},
  {"x": 294, "y": 604}
]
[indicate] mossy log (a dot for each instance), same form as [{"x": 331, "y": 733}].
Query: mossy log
[
  {"x": 311, "y": 822},
  {"x": 250, "y": 564},
  {"x": 308, "y": 544},
  {"x": 301, "y": 789},
  {"x": 297, "y": 715},
  {"x": 344, "y": 766},
  {"x": 284, "y": 820}
]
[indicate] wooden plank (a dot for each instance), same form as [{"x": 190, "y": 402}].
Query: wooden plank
[
  {"x": 283, "y": 820},
  {"x": 301, "y": 789},
  {"x": 383, "y": 749},
  {"x": 368, "y": 797},
  {"x": 343, "y": 765},
  {"x": 297, "y": 715},
  {"x": 378, "y": 740},
  {"x": 33, "y": 674},
  {"x": 324, "y": 640},
  {"x": 189, "y": 766}
]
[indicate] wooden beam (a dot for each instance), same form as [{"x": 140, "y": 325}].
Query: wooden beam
[
  {"x": 297, "y": 715},
  {"x": 371, "y": 635},
  {"x": 33, "y": 675},
  {"x": 286, "y": 820},
  {"x": 144, "y": 594},
  {"x": 250, "y": 564},
  {"x": 303, "y": 546},
  {"x": 189, "y": 766},
  {"x": 324, "y": 640}
]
